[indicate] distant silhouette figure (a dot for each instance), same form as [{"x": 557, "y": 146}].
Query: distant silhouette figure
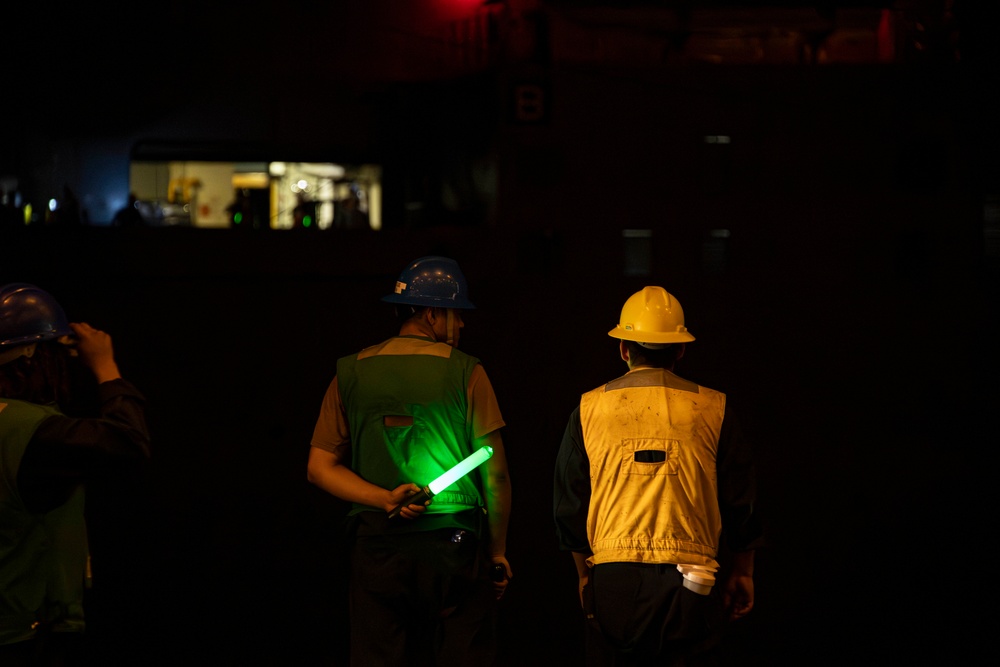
[
  {"x": 68, "y": 213},
  {"x": 129, "y": 215},
  {"x": 241, "y": 213},
  {"x": 304, "y": 214},
  {"x": 11, "y": 215},
  {"x": 349, "y": 214}
]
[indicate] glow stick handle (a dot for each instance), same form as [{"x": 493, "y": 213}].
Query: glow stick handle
[{"x": 418, "y": 498}]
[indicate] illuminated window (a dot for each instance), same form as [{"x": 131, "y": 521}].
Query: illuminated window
[{"x": 258, "y": 195}]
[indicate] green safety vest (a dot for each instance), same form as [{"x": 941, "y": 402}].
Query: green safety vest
[
  {"x": 44, "y": 556},
  {"x": 426, "y": 384}
]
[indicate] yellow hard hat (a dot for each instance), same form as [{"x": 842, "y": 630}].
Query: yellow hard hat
[{"x": 652, "y": 316}]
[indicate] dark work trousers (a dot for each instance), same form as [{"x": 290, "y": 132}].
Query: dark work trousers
[
  {"x": 421, "y": 599},
  {"x": 643, "y": 616},
  {"x": 47, "y": 649}
]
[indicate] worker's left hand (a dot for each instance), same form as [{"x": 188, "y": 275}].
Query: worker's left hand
[{"x": 738, "y": 595}]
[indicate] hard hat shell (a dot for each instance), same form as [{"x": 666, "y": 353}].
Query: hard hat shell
[
  {"x": 29, "y": 314},
  {"x": 431, "y": 281},
  {"x": 652, "y": 315}
]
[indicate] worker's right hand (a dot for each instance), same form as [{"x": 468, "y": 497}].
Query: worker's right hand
[
  {"x": 501, "y": 574},
  {"x": 399, "y": 494},
  {"x": 94, "y": 349}
]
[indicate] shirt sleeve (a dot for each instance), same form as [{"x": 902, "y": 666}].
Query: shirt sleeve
[
  {"x": 741, "y": 524},
  {"x": 571, "y": 497},
  {"x": 332, "y": 430},
  {"x": 484, "y": 411},
  {"x": 64, "y": 451}
]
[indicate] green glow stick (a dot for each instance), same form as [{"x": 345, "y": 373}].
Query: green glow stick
[
  {"x": 450, "y": 476},
  {"x": 460, "y": 470}
]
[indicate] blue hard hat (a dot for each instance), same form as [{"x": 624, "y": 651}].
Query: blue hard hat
[
  {"x": 29, "y": 314},
  {"x": 431, "y": 281}
]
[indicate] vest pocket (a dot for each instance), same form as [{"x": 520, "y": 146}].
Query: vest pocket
[
  {"x": 410, "y": 445},
  {"x": 404, "y": 442},
  {"x": 650, "y": 456}
]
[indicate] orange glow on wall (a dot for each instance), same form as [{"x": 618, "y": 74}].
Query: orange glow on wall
[{"x": 885, "y": 38}]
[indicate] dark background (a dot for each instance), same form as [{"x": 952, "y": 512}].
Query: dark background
[{"x": 851, "y": 317}]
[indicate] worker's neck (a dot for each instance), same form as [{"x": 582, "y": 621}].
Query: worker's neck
[
  {"x": 643, "y": 367},
  {"x": 417, "y": 327}
]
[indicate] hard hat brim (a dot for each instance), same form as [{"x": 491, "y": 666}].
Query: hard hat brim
[
  {"x": 429, "y": 302},
  {"x": 38, "y": 337},
  {"x": 648, "y": 337}
]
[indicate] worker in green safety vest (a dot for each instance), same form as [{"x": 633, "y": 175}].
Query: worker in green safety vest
[
  {"x": 425, "y": 578},
  {"x": 48, "y": 452}
]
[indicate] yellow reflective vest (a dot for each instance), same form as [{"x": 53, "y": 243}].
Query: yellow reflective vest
[{"x": 652, "y": 439}]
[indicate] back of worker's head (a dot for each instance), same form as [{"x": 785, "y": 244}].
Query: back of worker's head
[
  {"x": 665, "y": 356},
  {"x": 35, "y": 355}
]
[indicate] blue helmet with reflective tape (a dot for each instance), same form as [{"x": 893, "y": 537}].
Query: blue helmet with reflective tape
[
  {"x": 431, "y": 281},
  {"x": 29, "y": 314}
]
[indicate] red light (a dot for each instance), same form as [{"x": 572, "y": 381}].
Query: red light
[{"x": 451, "y": 9}]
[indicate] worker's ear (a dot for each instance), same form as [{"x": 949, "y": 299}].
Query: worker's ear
[
  {"x": 680, "y": 351},
  {"x": 623, "y": 350}
]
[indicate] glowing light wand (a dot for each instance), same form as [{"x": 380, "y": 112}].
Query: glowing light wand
[{"x": 455, "y": 473}]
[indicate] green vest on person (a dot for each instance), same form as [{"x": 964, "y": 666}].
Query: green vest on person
[
  {"x": 43, "y": 557},
  {"x": 407, "y": 405}
]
